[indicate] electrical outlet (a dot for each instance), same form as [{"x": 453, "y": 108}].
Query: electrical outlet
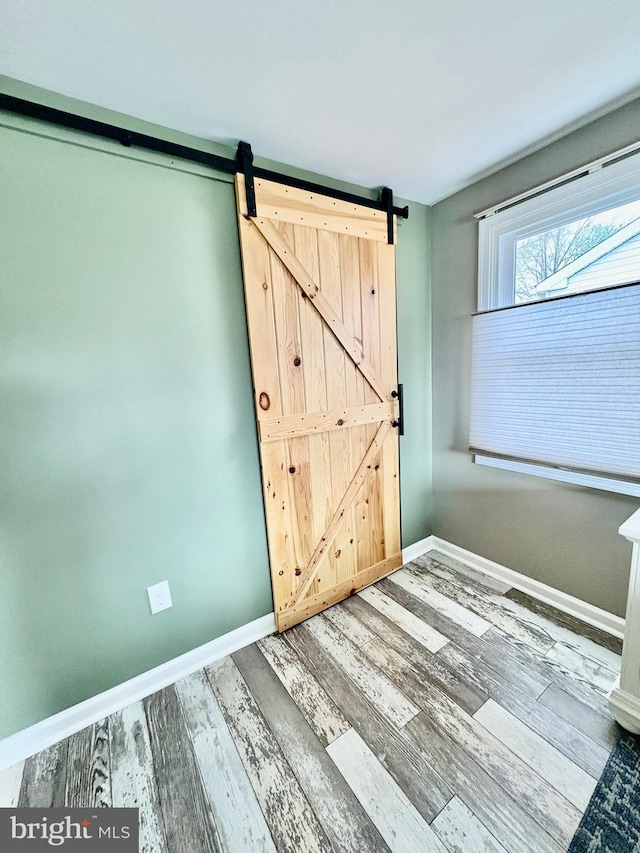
[{"x": 159, "y": 597}]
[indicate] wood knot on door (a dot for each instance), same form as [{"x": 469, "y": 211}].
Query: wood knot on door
[{"x": 264, "y": 401}]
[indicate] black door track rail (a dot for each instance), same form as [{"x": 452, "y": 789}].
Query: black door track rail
[{"x": 242, "y": 163}]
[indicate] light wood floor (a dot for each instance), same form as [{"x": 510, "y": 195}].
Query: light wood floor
[{"x": 436, "y": 711}]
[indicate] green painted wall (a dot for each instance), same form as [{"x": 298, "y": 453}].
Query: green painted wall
[
  {"x": 128, "y": 450},
  {"x": 562, "y": 535}
]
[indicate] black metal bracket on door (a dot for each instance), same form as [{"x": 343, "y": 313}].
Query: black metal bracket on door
[
  {"x": 400, "y": 422},
  {"x": 386, "y": 203},
  {"x": 244, "y": 163}
]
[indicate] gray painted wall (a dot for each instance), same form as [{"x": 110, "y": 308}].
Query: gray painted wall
[
  {"x": 128, "y": 450},
  {"x": 562, "y": 535}
]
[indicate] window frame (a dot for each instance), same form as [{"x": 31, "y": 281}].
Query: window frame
[
  {"x": 602, "y": 188},
  {"x": 599, "y": 188}
]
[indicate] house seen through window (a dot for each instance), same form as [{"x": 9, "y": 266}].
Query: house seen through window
[{"x": 596, "y": 251}]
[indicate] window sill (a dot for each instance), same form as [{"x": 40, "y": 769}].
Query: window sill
[{"x": 603, "y": 483}]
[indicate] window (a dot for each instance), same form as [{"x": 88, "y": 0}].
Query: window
[{"x": 556, "y": 340}]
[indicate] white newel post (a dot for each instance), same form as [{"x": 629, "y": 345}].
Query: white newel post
[{"x": 625, "y": 698}]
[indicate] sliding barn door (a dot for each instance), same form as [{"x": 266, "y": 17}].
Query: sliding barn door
[{"x": 321, "y": 307}]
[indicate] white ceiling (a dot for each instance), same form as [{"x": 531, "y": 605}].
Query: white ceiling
[{"x": 422, "y": 95}]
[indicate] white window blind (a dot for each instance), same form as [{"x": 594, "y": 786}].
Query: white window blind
[{"x": 557, "y": 383}]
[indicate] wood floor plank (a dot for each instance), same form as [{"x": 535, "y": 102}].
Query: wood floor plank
[
  {"x": 449, "y": 608},
  {"x": 133, "y": 781},
  {"x": 395, "y": 817},
  {"x": 417, "y": 628},
  {"x": 223, "y": 775},
  {"x": 350, "y": 626},
  {"x": 586, "y": 669},
  {"x": 528, "y": 679},
  {"x": 571, "y": 623},
  {"x": 343, "y": 819},
  {"x": 485, "y": 581},
  {"x": 376, "y": 687},
  {"x": 293, "y": 825},
  {"x": 566, "y": 777},
  {"x": 461, "y": 831},
  {"x": 188, "y": 819},
  {"x": 537, "y": 666},
  {"x": 408, "y": 767},
  {"x": 315, "y": 705},
  {"x": 574, "y": 744},
  {"x": 469, "y": 696},
  {"x": 78, "y": 781},
  {"x": 550, "y": 808},
  {"x": 101, "y": 766},
  {"x": 516, "y": 830},
  {"x": 10, "y": 784},
  {"x": 44, "y": 778},
  {"x": 487, "y": 605},
  {"x": 585, "y": 645},
  {"x": 88, "y": 782},
  {"x": 602, "y": 730}
]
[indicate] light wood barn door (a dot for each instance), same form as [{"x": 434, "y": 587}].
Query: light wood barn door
[{"x": 321, "y": 308}]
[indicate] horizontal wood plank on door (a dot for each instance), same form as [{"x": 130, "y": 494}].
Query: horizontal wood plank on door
[
  {"x": 535, "y": 794},
  {"x": 559, "y": 733},
  {"x": 320, "y": 601},
  {"x": 10, "y": 784},
  {"x": 343, "y": 819},
  {"x": 133, "y": 781},
  {"x": 290, "y": 818},
  {"x": 404, "y": 762},
  {"x": 224, "y": 778},
  {"x": 408, "y": 622},
  {"x": 571, "y": 623},
  {"x": 188, "y": 819},
  {"x": 291, "y": 426},
  {"x": 487, "y": 606},
  {"x": 431, "y": 667},
  {"x": 301, "y": 207},
  {"x": 585, "y": 668},
  {"x": 503, "y": 816},
  {"x": 397, "y": 820},
  {"x": 461, "y": 831},
  {"x": 353, "y": 349},
  {"x": 44, "y": 778},
  {"x": 449, "y": 608},
  {"x": 483, "y": 648},
  {"x": 376, "y": 687},
  {"x": 566, "y": 777},
  {"x": 602, "y": 730},
  {"x": 318, "y": 709}
]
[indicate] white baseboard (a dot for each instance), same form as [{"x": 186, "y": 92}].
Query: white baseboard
[
  {"x": 41, "y": 735},
  {"x": 416, "y": 550},
  {"x": 625, "y": 708},
  {"x": 549, "y": 595}
]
